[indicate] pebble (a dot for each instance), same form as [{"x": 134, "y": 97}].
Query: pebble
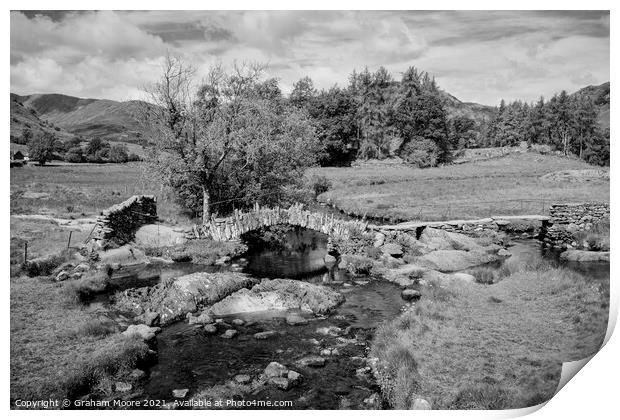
[
  {"x": 230, "y": 334},
  {"x": 312, "y": 361},
  {"x": 180, "y": 393},
  {"x": 210, "y": 328},
  {"x": 243, "y": 379},
  {"x": 295, "y": 319},
  {"x": 123, "y": 387},
  {"x": 264, "y": 335},
  {"x": 238, "y": 322}
]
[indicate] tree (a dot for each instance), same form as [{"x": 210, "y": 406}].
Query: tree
[
  {"x": 119, "y": 153},
  {"x": 26, "y": 136},
  {"x": 42, "y": 147},
  {"x": 224, "y": 139},
  {"x": 74, "y": 155}
]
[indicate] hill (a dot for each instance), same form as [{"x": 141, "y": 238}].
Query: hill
[
  {"x": 472, "y": 110},
  {"x": 600, "y": 95},
  {"x": 107, "y": 119},
  {"x": 23, "y": 117}
]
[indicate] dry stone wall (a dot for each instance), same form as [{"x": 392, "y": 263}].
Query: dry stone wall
[
  {"x": 117, "y": 225},
  {"x": 569, "y": 219}
]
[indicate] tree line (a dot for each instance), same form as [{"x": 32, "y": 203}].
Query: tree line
[
  {"x": 567, "y": 123},
  {"x": 233, "y": 139},
  {"x": 44, "y": 147}
]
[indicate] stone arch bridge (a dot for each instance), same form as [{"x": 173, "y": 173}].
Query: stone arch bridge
[{"x": 231, "y": 228}]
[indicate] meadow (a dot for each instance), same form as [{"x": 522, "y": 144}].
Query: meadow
[{"x": 507, "y": 185}]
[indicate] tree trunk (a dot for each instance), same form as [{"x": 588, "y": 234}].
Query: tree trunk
[{"x": 206, "y": 205}]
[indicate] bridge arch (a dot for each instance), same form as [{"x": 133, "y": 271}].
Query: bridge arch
[{"x": 231, "y": 228}]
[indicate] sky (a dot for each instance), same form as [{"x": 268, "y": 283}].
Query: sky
[{"x": 477, "y": 56}]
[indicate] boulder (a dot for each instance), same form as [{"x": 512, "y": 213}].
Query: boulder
[
  {"x": 503, "y": 253},
  {"x": 210, "y": 329},
  {"x": 393, "y": 250},
  {"x": 264, "y": 335},
  {"x": 145, "y": 332},
  {"x": 238, "y": 322},
  {"x": 379, "y": 240},
  {"x": 203, "y": 318},
  {"x": 180, "y": 393},
  {"x": 230, "y": 334},
  {"x": 331, "y": 330},
  {"x": 293, "y": 377},
  {"x": 123, "y": 386},
  {"x": 275, "y": 370},
  {"x": 242, "y": 379},
  {"x": 454, "y": 260},
  {"x": 464, "y": 277},
  {"x": 439, "y": 239},
  {"x": 281, "y": 383},
  {"x": 279, "y": 295},
  {"x": 329, "y": 260},
  {"x": 584, "y": 256},
  {"x": 176, "y": 297},
  {"x": 152, "y": 235},
  {"x": 124, "y": 256},
  {"x": 180, "y": 256},
  {"x": 295, "y": 319},
  {"x": 420, "y": 404},
  {"x": 62, "y": 276},
  {"x": 410, "y": 294},
  {"x": 137, "y": 375},
  {"x": 311, "y": 361},
  {"x": 149, "y": 318}
]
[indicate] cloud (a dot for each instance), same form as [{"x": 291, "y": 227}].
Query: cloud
[{"x": 477, "y": 56}]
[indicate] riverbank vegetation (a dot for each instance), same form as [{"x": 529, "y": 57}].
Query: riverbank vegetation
[
  {"x": 468, "y": 346},
  {"x": 58, "y": 348}
]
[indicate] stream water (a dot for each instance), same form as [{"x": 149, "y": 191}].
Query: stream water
[{"x": 189, "y": 358}]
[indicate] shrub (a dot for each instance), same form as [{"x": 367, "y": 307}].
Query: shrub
[
  {"x": 319, "y": 184},
  {"x": 597, "y": 238},
  {"x": 482, "y": 397},
  {"x": 421, "y": 153},
  {"x": 484, "y": 275},
  {"x": 95, "y": 328},
  {"x": 118, "y": 355},
  {"x": 357, "y": 264},
  {"x": 91, "y": 283},
  {"x": 45, "y": 266}
]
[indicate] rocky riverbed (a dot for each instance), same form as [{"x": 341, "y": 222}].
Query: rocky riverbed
[{"x": 237, "y": 332}]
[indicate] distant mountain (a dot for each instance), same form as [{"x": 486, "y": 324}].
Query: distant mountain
[
  {"x": 600, "y": 96},
  {"x": 27, "y": 118},
  {"x": 103, "y": 118},
  {"x": 472, "y": 110}
]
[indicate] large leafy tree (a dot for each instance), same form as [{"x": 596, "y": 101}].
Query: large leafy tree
[
  {"x": 42, "y": 147},
  {"x": 228, "y": 139}
]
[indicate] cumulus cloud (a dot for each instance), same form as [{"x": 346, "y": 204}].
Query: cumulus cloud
[{"x": 477, "y": 56}]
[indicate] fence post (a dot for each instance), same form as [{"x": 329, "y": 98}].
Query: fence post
[{"x": 69, "y": 241}]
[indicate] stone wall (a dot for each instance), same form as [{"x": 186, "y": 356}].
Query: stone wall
[
  {"x": 118, "y": 224},
  {"x": 569, "y": 219}
]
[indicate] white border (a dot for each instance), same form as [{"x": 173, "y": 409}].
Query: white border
[{"x": 591, "y": 395}]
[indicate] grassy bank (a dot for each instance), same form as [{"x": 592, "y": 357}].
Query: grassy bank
[
  {"x": 506, "y": 185},
  {"x": 58, "y": 349},
  {"x": 491, "y": 347}
]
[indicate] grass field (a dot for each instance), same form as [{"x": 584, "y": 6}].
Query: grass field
[
  {"x": 77, "y": 190},
  {"x": 502, "y": 186},
  {"x": 471, "y": 346}
]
